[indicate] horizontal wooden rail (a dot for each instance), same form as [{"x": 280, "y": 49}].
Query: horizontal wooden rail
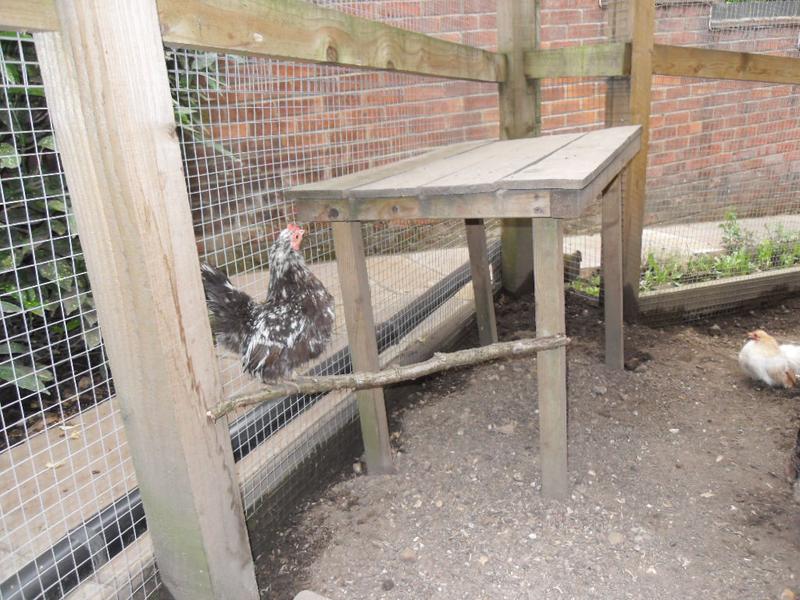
[
  {"x": 294, "y": 30},
  {"x": 679, "y": 61},
  {"x": 596, "y": 60}
]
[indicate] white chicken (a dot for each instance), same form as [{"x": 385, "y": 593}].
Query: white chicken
[{"x": 763, "y": 359}]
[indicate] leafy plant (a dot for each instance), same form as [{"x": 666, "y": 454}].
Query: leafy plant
[
  {"x": 48, "y": 313},
  {"x": 734, "y": 237}
]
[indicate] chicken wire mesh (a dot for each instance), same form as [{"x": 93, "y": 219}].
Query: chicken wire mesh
[
  {"x": 63, "y": 455},
  {"x": 249, "y": 128},
  {"x": 723, "y": 189}
]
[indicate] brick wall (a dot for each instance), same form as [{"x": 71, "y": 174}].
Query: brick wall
[
  {"x": 715, "y": 145},
  {"x": 720, "y": 145}
]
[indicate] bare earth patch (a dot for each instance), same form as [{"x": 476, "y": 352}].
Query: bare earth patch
[{"x": 677, "y": 472}]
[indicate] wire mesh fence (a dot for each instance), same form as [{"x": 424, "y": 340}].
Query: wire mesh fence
[
  {"x": 249, "y": 128},
  {"x": 723, "y": 190},
  {"x": 63, "y": 454},
  {"x": 722, "y": 199}
]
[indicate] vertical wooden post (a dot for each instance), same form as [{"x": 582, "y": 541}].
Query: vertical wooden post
[
  {"x": 628, "y": 102},
  {"x": 481, "y": 281},
  {"x": 352, "y": 266},
  {"x": 612, "y": 273},
  {"x": 551, "y": 364},
  {"x": 520, "y": 103},
  {"x": 109, "y": 97}
]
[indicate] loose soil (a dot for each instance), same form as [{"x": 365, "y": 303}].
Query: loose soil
[{"x": 676, "y": 470}]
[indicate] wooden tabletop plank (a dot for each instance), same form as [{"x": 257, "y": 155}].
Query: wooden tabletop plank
[
  {"x": 504, "y": 159},
  {"x": 574, "y": 166},
  {"x": 340, "y": 186},
  {"x": 487, "y": 164}
]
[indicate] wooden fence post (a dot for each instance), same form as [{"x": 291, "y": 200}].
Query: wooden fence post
[
  {"x": 108, "y": 91},
  {"x": 628, "y": 102},
  {"x": 520, "y": 102}
]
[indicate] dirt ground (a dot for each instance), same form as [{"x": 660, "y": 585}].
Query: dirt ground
[{"x": 676, "y": 470}]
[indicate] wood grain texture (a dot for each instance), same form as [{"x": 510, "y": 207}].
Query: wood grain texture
[
  {"x": 555, "y": 176},
  {"x": 612, "y": 59},
  {"x": 481, "y": 281},
  {"x": 294, "y": 30},
  {"x": 108, "y": 91},
  {"x": 28, "y": 15},
  {"x": 679, "y": 61},
  {"x": 340, "y": 187},
  {"x": 551, "y": 364},
  {"x": 520, "y": 116},
  {"x": 628, "y": 101},
  {"x": 575, "y": 165},
  {"x": 483, "y": 169},
  {"x": 612, "y": 274},
  {"x": 302, "y": 31},
  {"x": 472, "y": 206},
  {"x": 360, "y": 322}
]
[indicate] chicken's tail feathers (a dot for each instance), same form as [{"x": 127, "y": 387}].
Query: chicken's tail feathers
[{"x": 230, "y": 308}]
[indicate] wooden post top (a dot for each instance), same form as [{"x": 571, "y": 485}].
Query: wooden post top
[{"x": 551, "y": 176}]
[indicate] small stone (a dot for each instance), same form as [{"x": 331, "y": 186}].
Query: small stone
[
  {"x": 357, "y": 468},
  {"x": 715, "y": 330},
  {"x": 517, "y": 477},
  {"x": 651, "y": 570},
  {"x": 408, "y": 555},
  {"x": 387, "y": 585},
  {"x": 641, "y": 368},
  {"x": 483, "y": 559},
  {"x": 615, "y": 538},
  {"x": 599, "y": 390},
  {"x": 84, "y": 383},
  {"x": 507, "y": 428},
  {"x": 788, "y": 594}
]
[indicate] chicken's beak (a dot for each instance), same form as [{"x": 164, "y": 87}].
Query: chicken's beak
[{"x": 751, "y": 335}]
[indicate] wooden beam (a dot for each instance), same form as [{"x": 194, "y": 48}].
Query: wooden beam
[
  {"x": 294, "y": 30},
  {"x": 481, "y": 281},
  {"x": 628, "y": 102},
  {"x": 520, "y": 116},
  {"x": 302, "y": 31},
  {"x": 28, "y": 15},
  {"x": 679, "y": 61},
  {"x": 551, "y": 364},
  {"x": 108, "y": 91},
  {"x": 596, "y": 60},
  {"x": 360, "y": 322},
  {"x": 611, "y": 240},
  {"x": 699, "y": 299}
]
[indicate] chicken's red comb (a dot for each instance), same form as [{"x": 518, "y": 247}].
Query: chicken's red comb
[{"x": 293, "y": 227}]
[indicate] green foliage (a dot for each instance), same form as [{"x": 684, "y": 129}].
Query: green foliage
[
  {"x": 48, "y": 312},
  {"x": 734, "y": 238},
  {"x": 587, "y": 287},
  {"x": 741, "y": 256}
]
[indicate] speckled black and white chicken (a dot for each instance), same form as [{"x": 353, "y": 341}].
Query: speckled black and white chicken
[{"x": 292, "y": 326}]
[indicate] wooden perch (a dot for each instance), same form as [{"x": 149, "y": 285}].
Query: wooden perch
[{"x": 440, "y": 361}]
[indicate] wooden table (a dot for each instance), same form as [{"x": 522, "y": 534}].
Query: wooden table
[{"x": 547, "y": 179}]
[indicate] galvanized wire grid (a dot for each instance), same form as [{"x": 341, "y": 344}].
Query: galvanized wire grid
[
  {"x": 253, "y": 127},
  {"x": 723, "y": 196},
  {"x": 63, "y": 454}
]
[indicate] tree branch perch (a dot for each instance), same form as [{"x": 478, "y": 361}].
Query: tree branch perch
[{"x": 440, "y": 361}]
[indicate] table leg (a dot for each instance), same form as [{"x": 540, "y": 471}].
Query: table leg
[
  {"x": 548, "y": 266},
  {"x": 481, "y": 281},
  {"x": 360, "y": 322},
  {"x": 612, "y": 273}
]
